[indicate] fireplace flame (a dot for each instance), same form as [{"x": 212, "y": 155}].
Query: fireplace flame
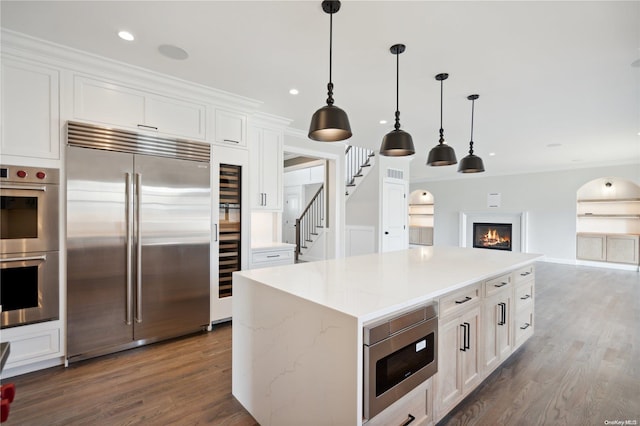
[{"x": 492, "y": 238}]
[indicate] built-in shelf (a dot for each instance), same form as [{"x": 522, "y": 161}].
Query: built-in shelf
[
  {"x": 620, "y": 216},
  {"x": 610, "y": 200}
]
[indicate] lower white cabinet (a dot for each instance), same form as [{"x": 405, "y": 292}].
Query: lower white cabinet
[
  {"x": 616, "y": 248},
  {"x": 272, "y": 255},
  {"x": 32, "y": 344},
  {"x": 415, "y": 408},
  {"x": 421, "y": 235},
  {"x": 498, "y": 328}
]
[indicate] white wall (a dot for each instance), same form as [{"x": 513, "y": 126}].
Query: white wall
[{"x": 549, "y": 198}]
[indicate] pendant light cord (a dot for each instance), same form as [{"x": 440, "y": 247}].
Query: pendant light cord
[
  {"x": 397, "y": 125},
  {"x": 473, "y": 103},
  {"x": 330, "y": 85},
  {"x": 441, "y": 141}
]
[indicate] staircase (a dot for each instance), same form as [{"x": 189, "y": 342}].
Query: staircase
[
  {"x": 311, "y": 224},
  {"x": 358, "y": 161}
]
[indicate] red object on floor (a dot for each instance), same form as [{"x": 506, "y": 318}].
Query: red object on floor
[
  {"x": 8, "y": 391},
  {"x": 4, "y": 410}
]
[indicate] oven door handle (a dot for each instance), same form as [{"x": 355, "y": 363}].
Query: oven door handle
[
  {"x": 24, "y": 259},
  {"x": 24, "y": 187}
]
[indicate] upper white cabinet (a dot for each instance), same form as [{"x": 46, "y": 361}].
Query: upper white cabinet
[
  {"x": 230, "y": 128},
  {"x": 30, "y": 110},
  {"x": 109, "y": 103},
  {"x": 266, "y": 168}
]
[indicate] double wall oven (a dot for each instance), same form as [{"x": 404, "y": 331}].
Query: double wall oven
[
  {"x": 400, "y": 353},
  {"x": 29, "y": 245}
]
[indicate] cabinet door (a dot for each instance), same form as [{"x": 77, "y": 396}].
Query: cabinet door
[
  {"x": 591, "y": 247},
  {"x": 175, "y": 117},
  {"x": 622, "y": 249},
  {"x": 272, "y": 169},
  {"x": 450, "y": 345},
  {"x": 230, "y": 128},
  {"x": 30, "y": 110},
  {"x": 414, "y": 235},
  {"x": 108, "y": 103},
  {"x": 497, "y": 326},
  {"x": 470, "y": 365},
  {"x": 266, "y": 169},
  {"x": 426, "y": 236}
]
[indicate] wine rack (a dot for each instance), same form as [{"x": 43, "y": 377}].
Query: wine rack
[{"x": 230, "y": 229}]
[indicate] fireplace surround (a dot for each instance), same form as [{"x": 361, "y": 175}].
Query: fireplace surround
[{"x": 518, "y": 220}]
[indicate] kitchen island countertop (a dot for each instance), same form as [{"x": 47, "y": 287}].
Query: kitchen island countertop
[{"x": 297, "y": 329}]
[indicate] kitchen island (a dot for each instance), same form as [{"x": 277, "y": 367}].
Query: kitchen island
[{"x": 298, "y": 329}]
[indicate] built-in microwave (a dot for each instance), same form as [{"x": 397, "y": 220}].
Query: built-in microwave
[{"x": 400, "y": 353}]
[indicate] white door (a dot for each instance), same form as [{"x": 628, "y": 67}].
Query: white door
[
  {"x": 394, "y": 216},
  {"x": 292, "y": 199}
]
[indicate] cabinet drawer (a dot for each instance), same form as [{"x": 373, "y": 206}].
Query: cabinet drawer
[
  {"x": 524, "y": 295},
  {"x": 458, "y": 300},
  {"x": 497, "y": 284},
  {"x": 279, "y": 256},
  {"x": 524, "y": 274},
  {"x": 33, "y": 346},
  {"x": 524, "y": 326},
  {"x": 416, "y": 404}
]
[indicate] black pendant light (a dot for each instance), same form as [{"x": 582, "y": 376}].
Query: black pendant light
[
  {"x": 471, "y": 163},
  {"x": 442, "y": 154},
  {"x": 330, "y": 123},
  {"x": 397, "y": 143}
]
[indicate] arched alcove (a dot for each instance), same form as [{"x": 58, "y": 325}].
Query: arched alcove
[
  {"x": 421, "y": 218},
  {"x": 608, "y": 221}
]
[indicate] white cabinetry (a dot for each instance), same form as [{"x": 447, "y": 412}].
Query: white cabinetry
[
  {"x": 415, "y": 408},
  {"x": 459, "y": 366},
  {"x": 524, "y": 303},
  {"x": 269, "y": 255},
  {"x": 617, "y": 248},
  {"x": 32, "y": 344},
  {"x": 497, "y": 321},
  {"x": 421, "y": 235},
  {"x": 266, "y": 168},
  {"x": 113, "y": 104},
  {"x": 230, "y": 128},
  {"x": 30, "y": 110}
]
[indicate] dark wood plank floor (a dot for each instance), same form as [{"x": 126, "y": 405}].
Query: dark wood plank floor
[{"x": 582, "y": 367}]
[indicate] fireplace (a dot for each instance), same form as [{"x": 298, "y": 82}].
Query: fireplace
[{"x": 495, "y": 236}]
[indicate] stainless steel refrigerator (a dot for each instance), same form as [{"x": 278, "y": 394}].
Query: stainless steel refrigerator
[{"x": 138, "y": 239}]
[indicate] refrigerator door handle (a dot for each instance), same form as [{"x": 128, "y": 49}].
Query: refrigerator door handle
[
  {"x": 138, "y": 250},
  {"x": 129, "y": 225}
]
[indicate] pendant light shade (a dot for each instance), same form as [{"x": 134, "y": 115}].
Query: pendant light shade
[
  {"x": 330, "y": 123},
  {"x": 471, "y": 163},
  {"x": 397, "y": 143},
  {"x": 442, "y": 154}
]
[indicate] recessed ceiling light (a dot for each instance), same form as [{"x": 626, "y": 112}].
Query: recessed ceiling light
[
  {"x": 492, "y": 154},
  {"x": 173, "y": 52},
  {"x": 294, "y": 91},
  {"x": 383, "y": 121},
  {"x": 126, "y": 35}
]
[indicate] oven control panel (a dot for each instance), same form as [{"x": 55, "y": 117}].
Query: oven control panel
[{"x": 24, "y": 174}]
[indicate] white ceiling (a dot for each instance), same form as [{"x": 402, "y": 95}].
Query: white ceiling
[{"x": 556, "y": 82}]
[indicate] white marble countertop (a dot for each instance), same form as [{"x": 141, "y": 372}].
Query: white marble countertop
[
  {"x": 370, "y": 286},
  {"x": 271, "y": 246}
]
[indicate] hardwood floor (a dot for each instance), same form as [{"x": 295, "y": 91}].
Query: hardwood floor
[{"x": 581, "y": 367}]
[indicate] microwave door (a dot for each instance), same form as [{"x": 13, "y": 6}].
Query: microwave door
[{"x": 98, "y": 227}]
